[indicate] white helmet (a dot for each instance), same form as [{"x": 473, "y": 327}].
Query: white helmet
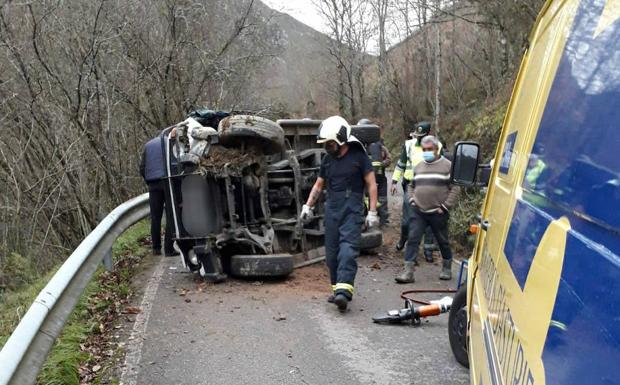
[{"x": 334, "y": 128}]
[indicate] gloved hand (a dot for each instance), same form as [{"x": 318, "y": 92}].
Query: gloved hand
[
  {"x": 307, "y": 213},
  {"x": 372, "y": 219}
]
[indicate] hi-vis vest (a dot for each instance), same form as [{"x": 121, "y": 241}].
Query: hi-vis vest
[{"x": 414, "y": 156}]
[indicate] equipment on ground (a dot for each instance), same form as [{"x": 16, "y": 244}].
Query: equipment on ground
[{"x": 413, "y": 314}]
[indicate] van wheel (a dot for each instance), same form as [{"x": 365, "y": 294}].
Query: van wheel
[
  {"x": 251, "y": 130},
  {"x": 366, "y": 133},
  {"x": 371, "y": 240},
  {"x": 261, "y": 266},
  {"x": 457, "y": 327}
]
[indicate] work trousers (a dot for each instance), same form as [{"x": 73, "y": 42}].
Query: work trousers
[
  {"x": 429, "y": 242},
  {"x": 158, "y": 202},
  {"x": 344, "y": 217},
  {"x": 439, "y": 226},
  {"x": 382, "y": 192}
]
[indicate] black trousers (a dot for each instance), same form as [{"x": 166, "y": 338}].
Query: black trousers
[
  {"x": 382, "y": 192},
  {"x": 158, "y": 202},
  {"x": 417, "y": 226}
]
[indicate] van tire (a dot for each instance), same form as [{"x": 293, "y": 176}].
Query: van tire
[
  {"x": 371, "y": 239},
  {"x": 255, "y": 131},
  {"x": 261, "y": 266},
  {"x": 457, "y": 326},
  {"x": 366, "y": 133}
]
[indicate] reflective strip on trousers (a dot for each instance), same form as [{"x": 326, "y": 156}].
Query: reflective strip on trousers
[{"x": 344, "y": 286}]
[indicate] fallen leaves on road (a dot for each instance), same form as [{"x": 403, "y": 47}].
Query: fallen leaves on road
[
  {"x": 131, "y": 310},
  {"x": 183, "y": 292}
]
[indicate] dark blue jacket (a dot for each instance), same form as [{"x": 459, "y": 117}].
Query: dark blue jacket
[{"x": 152, "y": 167}]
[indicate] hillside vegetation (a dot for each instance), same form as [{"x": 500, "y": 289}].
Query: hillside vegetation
[{"x": 85, "y": 84}]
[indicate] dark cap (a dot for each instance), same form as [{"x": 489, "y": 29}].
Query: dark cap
[{"x": 421, "y": 129}]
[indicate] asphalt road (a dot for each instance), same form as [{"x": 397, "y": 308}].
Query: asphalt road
[{"x": 284, "y": 332}]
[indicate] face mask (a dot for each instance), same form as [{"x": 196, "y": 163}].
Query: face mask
[
  {"x": 428, "y": 156},
  {"x": 332, "y": 150}
]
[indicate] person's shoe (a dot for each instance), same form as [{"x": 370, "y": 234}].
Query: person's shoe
[
  {"x": 330, "y": 298},
  {"x": 428, "y": 255},
  {"x": 342, "y": 302},
  {"x": 446, "y": 270},
  {"x": 401, "y": 244},
  {"x": 407, "y": 276},
  {"x": 156, "y": 252},
  {"x": 172, "y": 253}
]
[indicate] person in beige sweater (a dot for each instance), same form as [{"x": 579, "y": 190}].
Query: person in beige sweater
[{"x": 431, "y": 197}]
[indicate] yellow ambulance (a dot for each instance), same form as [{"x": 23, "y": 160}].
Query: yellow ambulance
[{"x": 542, "y": 299}]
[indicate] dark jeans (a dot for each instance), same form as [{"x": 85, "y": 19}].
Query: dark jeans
[
  {"x": 406, "y": 220},
  {"x": 418, "y": 224},
  {"x": 158, "y": 202}
]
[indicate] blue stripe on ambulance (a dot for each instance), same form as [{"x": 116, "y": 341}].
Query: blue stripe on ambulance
[{"x": 581, "y": 181}]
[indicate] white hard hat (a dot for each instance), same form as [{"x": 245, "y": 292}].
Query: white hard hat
[{"x": 334, "y": 128}]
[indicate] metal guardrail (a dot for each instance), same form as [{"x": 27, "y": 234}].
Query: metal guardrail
[{"x": 25, "y": 352}]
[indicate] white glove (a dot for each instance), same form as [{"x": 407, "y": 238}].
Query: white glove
[
  {"x": 307, "y": 213},
  {"x": 372, "y": 219}
]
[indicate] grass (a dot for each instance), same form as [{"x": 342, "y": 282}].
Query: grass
[{"x": 72, "y": 355}]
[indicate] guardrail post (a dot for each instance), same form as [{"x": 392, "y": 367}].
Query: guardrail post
[
  {"x": 107, "y": 258},
  {"x": 107, "y": 261}
]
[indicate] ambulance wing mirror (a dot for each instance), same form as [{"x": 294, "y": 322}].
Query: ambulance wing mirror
[{"x": 465, "y": 164}]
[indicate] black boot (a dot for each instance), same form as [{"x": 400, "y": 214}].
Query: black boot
[
  {"x": 407, "y": 276},
  {"x": 342, "y": 302},
  {"x": 446, "y": 270},
  {"x": 330, "y": 298}
]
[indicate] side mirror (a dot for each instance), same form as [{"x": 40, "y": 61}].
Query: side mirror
[{"x": 465, "y": 163}]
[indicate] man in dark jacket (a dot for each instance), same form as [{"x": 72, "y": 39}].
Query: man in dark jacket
[{"x": 152, "y": 169}]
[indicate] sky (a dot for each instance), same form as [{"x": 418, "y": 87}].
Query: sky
[
  {"x": 306, "y": 12},
  {"x": 302, "y": 10}
]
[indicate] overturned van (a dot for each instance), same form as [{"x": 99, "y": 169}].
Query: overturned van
[
  {"x": 542, "y": 300},
  {"x": 237, "y": 184}
]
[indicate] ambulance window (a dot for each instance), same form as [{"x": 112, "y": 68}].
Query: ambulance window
[{"x": 504, "y": 165}]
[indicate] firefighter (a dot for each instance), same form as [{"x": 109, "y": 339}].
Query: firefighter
[
  {"x": 410, "y": 156},
  {"x": 380, "y": 160},
  {"x": 345, "y": 172}
]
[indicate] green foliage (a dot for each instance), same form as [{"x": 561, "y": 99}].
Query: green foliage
[
  {"x": 132, "y": 239},
  {"x": 485, "y": 129},
  {"x": 67, "y": 355},
  {"x": 462, "y": 215},
  {"x": 16, "y": 271}
]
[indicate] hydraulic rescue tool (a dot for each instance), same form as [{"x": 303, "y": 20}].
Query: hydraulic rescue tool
[{"x": 414, "y": 314}]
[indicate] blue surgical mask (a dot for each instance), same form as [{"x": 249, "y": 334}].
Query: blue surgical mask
[{"x": 428, "y": 156}]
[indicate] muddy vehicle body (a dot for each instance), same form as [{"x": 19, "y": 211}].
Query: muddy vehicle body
[{"x": 237, "y": 184}]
